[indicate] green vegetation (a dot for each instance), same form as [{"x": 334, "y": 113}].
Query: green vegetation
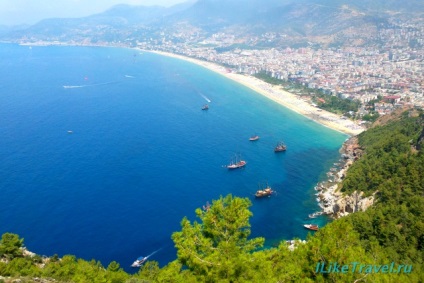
[
  {"x": 335, "y": 104},
  {"x": 10, "y": 245},
  {"x": 371, "y": 117},
  {"x": 390, "y": 161},
  {"x": 217, "y": 247},
  {"x": 322, "y": 100}
]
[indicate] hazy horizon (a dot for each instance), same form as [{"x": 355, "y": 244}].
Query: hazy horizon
[{"x": 20, "y": 12}]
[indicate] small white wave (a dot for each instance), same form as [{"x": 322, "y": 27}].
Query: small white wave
[
  {"x": 207, "y": 99},
  {"x": 73, "y": 86},
  {"x": 128, "y": 76},
  {"x": 90, "y": 85}
]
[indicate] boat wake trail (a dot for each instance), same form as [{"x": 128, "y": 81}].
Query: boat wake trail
[
  {"x": 141, "y": 260},
  {"x": 207, "y": 99},
  {"x": 72, "y": 86},
  {"x": 90, "y": 85},
  {"x": 153, "y": 253}
]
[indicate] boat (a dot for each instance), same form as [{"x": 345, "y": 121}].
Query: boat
[
  {"x": 205, "y": 107},
  {"x": 312, "y": 227},
  {"x": 280, "y": 147},
  {"x": 139, "y": 261},
  {"x": 264, "y": 192},
  {"x": 254, "y": 138},
  {"x": 236, "y": 163}
]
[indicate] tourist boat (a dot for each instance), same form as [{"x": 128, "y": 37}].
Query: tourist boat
[
  {"x": 264, "y": 192},
  {"x": 139, "y": 261},
  {"x": 205, "y": 107},
  {"x": 280, "y": 147},
  {"x": 236, "y": 163},
  {"x": 312, "y": 227},
  {"x": 254, "y": 138}
]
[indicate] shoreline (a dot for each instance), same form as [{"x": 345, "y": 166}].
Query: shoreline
[
  {"x": 275, "y": 93},
  {"x": 331, "y": 200},
  {"x": 278, "y": 95}
]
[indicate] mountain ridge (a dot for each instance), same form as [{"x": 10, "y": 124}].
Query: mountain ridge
[{"x": 304, "y": 20}]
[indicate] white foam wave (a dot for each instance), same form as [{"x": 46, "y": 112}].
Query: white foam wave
[
  {"x": 79, "y": 86},
  {"x": 72, "y": 86},
  {"x": 207, "y": 99}
]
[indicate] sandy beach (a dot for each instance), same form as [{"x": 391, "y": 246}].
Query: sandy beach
[{"x": 277, "y": 94}]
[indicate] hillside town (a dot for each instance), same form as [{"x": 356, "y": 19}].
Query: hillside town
[
  {"x": 390, "y": 73},
  {"x": 382, "y": 68}
]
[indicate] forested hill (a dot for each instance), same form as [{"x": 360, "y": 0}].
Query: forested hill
[{"x": 383, "y": 244}]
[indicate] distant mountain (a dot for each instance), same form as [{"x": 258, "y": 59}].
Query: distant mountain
[
  {"x": 307, "y": 19},
  {"x": 117, "y": 23},
  {"x": 277, "y": 15}
]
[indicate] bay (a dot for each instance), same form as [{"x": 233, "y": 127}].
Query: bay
[{"x": 105, "y": 150}]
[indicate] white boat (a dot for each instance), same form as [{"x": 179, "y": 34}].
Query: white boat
[
  {"x": 312, "y": 227},
  {"x": 139, "y": 261},
  {"x": 254, "y": 138},
  {"x": 236, "y": 163}
]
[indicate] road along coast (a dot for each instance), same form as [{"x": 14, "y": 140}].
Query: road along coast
[{"x": 279, "y": 95}]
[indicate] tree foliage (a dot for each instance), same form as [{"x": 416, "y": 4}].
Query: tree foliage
[
  {"x": 10, "y": 245},
  {"x": 218, "y": 246}
]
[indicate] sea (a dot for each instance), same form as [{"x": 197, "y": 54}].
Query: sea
[{"x": 103, "y": 151}]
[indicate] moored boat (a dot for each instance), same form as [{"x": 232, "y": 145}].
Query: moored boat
[
  {"x": 312, "y": 227},
  {"x": 280, "y": 147},
  {"x": 236, "y": 163},
  {"x": 205, "y": 107},
  {"x": 254, "y": 138},
  {"x": 264, "y": 192},
  {"x": 139, "y": 261}
]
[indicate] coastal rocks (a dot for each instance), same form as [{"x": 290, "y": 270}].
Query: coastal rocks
[
  {"x": 351, "y": 203},
  {"x": 351, "y": 149},
  {"x": 26, "y": 253},
  {"x": 330, "y": 199},
  {"x": 293, "y": 244}
]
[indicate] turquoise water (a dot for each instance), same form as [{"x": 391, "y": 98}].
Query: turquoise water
[{"x": 141, "y": 154}]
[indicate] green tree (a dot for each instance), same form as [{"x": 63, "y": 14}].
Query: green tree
[
  {"x": 10, "y": 245},
  {"x": 113, "y": 266},
  {"x": 218, "y": 248}
]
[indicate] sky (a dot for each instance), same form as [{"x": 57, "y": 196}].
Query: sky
[{"x": 16, "y": 12}]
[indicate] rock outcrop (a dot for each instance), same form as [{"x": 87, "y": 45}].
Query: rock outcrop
[
  {"x": 331, "y": 200},
  {"x": 352, "y": 203}
]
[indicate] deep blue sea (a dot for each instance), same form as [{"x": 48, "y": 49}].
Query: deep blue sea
[{"x": 141, "y": 153}]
